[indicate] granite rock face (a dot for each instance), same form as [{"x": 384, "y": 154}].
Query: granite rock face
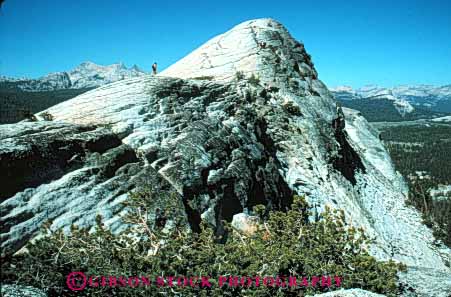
[
  {"x": 349, "y": 293},
  {"x": 21, "y": 291},
  {"x": 63, "y": 172},
  {"x": 242, "y": 120}
]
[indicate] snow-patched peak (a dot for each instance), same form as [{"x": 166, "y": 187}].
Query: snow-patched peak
[
  {"x": 93, "y": 66},
  {"x": 87, "y": 64},
  {"x": 262, "y": 47},
  {"x": 399, "y": 91},
  {"x": 406, "y": 97},
  {"x": 11, "y": 79},
  {"x": 89, "y": 74},
  {"x": 374, "y": 92},
  {"x": 423, "y": 90},
  {"x": 137, "y": 68},
  {"x": 85, "y": 75},
  {"x": 342, "y": 89},
  {"x": 50, "y": 82}
]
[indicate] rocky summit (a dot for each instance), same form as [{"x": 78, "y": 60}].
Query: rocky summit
[{"x": 242, "y": 120}]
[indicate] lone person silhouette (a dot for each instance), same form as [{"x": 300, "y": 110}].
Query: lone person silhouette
[{"x": 154, "y": 68}]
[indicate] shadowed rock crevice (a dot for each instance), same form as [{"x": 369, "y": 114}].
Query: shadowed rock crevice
[
  {"x": 7, "y": 223},
  {"x": 117, "y": 158},
  {"x": 61, "y": 164},
  {"x": 283, "y": 196},
  {"x": 348, "y": 160},
  {"x": 48, "y": 155},
  {"x": 220, "y": 156}
]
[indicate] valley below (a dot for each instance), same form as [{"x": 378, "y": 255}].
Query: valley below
[{"x": 421, "y": 151}]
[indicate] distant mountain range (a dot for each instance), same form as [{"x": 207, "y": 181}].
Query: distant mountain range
[
  {"x": 20, "y": 97},
  {"x": 86, "y": 75},
  {"x": 398, "y": 103}
]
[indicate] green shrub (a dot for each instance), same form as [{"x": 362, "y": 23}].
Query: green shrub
[
  {"x": 292, "y": 108},
  {"x": 239, "y": 75},
  {"x": 18, "y": 105},
  {"x": 28, "y": 115},
  {"x": 47, "y": 116},
  {"x": 205, "y": 77},
  {"x": 253, "y": 80},
  {"x": 283, "y": 244}
]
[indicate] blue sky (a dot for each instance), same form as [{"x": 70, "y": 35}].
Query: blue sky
[{"x": 352, "y": 42}]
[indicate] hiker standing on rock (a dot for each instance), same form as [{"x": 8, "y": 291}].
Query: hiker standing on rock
[{"x": 154, "y": 68}]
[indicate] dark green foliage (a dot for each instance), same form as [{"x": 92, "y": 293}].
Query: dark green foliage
[
  {"x": 379, "y": 110},
  {"x": 421, "y": 148},
  {"x": 16, "y": 104},
  {"x": 27, "y": 115},
  {"x": 282, "y": 244},
  {"x": 206, "y": 77},
  {"x": 254, "y": 80},
  {"x": 47, "y": 116},
  {"x": 292, "y": 108},
  {"x": 443, "y": 106},
  {"x": 239, "y": 75},
  {"x": 425, "y": 148}
]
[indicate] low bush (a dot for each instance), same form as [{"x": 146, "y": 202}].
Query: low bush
[
  {"x": 284, "y": 244},
  {"x": 254, "y": 80},
  {"x": 239, "y": 75},
  {"x": 47, "y": 116}
]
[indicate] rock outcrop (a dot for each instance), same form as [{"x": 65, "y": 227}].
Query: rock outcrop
[
  {"x": 65, "y": 173},
  {"x": 242, "y": 120},
  {"x": 349, "y": 293},
  {"x": 21, "y": 291}
]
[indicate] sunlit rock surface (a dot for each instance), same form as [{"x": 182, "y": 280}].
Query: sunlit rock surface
[
  {"x": 20, "y": 291},
  {"x": 349, "y": 293}
]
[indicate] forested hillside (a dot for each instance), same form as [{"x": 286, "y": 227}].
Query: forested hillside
[
  {"x": 421, "y": 152},
  {"x": 377, "y": 110},
  {"x": 15, "y": 104}
]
